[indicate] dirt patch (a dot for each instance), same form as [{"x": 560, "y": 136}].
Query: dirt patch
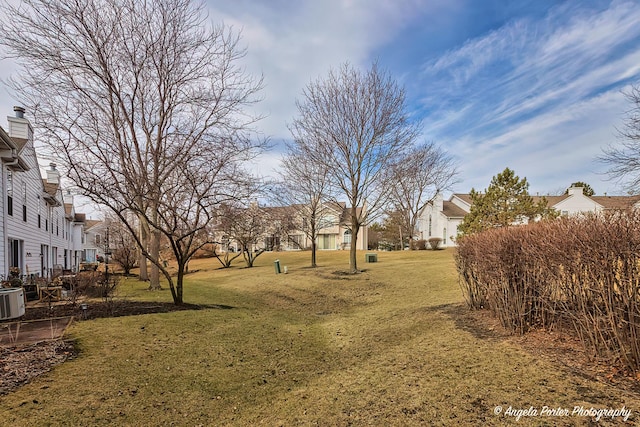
[
  {"x": 18, "y": 365},
  {"x": 100, "y": 309}
]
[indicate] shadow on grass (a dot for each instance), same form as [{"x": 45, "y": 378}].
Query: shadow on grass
[
  {"x": 479, "y": 323},
  {"x": 102, "y": 309}
]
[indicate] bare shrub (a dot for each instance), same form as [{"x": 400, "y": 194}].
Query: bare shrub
[
  {"x": 420, "y": 245},
  {"x": 434, "y": 243},
  {"x": 581, "y": 273}
]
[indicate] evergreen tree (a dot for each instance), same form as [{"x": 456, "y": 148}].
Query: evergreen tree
[{"x": 506, "y": 202}]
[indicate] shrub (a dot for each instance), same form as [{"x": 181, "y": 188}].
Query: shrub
[
  {"x": 420, "y": 245},
  {"x": 434, "y": 243},
  {"x": 578, "y": 273}
]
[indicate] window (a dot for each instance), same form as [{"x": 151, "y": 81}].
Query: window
[
  {"x": 347, "y": 237},
  {"x": 565, "y": 213},
  {"x": 39, "y": 221},
  {"x": 326, "y": 241},
  {"x": 296, "y": 241},
  {"x": 15, "y": 253},
  {"x": 46, "y": 224},
  {"x": 24, "y": 213},
  {"x": 429, "y": 225},
  {"x": 444, "y": 236},
  {"x": 97, "y": 240}
]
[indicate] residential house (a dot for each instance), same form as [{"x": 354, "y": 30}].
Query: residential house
[
  {"x": 36, "y": 228},
  {"x": 334, "y": 228},
  {"x": 286, "y": 229},
  {"x": 93, "y": 243},
  {"x": 441, "y": 218}
]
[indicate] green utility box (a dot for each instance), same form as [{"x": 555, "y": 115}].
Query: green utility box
[
  {"x": 276, "y": 264},
  {"x": 371, "y": 257}
]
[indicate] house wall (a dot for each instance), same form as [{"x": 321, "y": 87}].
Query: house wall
[
  {"x": 52, "y": 232},
  {"x": 576, "y": 203},
  {"x": 432, "y": 222}
]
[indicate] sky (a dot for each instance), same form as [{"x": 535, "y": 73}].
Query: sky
[{"x": 533, "y": 85}]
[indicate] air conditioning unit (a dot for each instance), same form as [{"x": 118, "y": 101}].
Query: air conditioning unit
[{"x": 11, "y": 303}]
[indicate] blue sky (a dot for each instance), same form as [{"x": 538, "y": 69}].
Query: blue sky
[{"x": 531, "y": 85}]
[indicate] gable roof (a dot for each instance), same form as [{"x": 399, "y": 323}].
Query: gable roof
[
  {"x": 607, "y": 202},
  {"x": 90, "y": 223},
  {"x": 616, "y": 202},
  {"x": 551, "y": 200},
  {"x": 451, "y": 210},
  {"x": 464, "y": 197}
]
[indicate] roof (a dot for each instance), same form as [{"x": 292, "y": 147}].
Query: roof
[
  {"x": 616, "y": 202},
  {"x": 51, "y": 191},
  {"x": 49, "y": 188},
  {"x": 92, "y": 223},
  {"x": 464, "y": 197},
  {"x": 20, "y": 143},
  {"x": 345, "y": 216},
  {"x": 551, "y": 200},
  {"x": 451, "y": 210},
  {"x": 607, "y": 202},
  {"x": 80, "y": 217}
]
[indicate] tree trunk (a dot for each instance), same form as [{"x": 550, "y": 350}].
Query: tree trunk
[
  {"x": 313, "y": 254},
  {"x": 353, "y": 262},
  {"x": 177, "y": 292},
  {"x": 154, "y": 278},
  {"x": 144, "y": 238}
]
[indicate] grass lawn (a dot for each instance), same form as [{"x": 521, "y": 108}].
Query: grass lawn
[{"x": 312, "y": 347}]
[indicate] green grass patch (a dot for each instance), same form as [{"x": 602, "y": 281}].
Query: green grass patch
[{"x": 311, "y": 347}]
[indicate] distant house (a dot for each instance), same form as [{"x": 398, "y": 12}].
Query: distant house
[
  {"x": 334, "y": 229},
  {"x": 441, "y": 218},
  {"x": 286, "y": 229},
  {"x": 93, "y": 240}
]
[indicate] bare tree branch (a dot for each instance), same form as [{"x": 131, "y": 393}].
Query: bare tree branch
[{"x": 144, "y": 104}]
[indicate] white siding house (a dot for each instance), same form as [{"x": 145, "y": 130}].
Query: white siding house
[
  {"x": 442, "y": 218},
  {"x": 36, "y": 228},
  {"x": 92, "y": 242}
]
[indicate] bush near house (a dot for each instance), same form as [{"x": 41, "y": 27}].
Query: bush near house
[
  {"x": 434, "y": 243},
  {"x": 579, "y": 273}
]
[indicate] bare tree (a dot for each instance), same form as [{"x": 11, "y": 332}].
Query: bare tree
[
  {"x": 145, "y": 105},
  {"x": 123, "y": 247},
  {"x": 304, "y": 187},
  {"x": 222, "y": 252},
  {"x": 248, "y": 226},
  {"x": 415, "y": 179},
  {"x": 354, "y": 124},
  {"x": 624, "y": 160}
]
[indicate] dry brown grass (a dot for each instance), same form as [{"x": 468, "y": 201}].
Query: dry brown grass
[{"x": 390, "y": 346}]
